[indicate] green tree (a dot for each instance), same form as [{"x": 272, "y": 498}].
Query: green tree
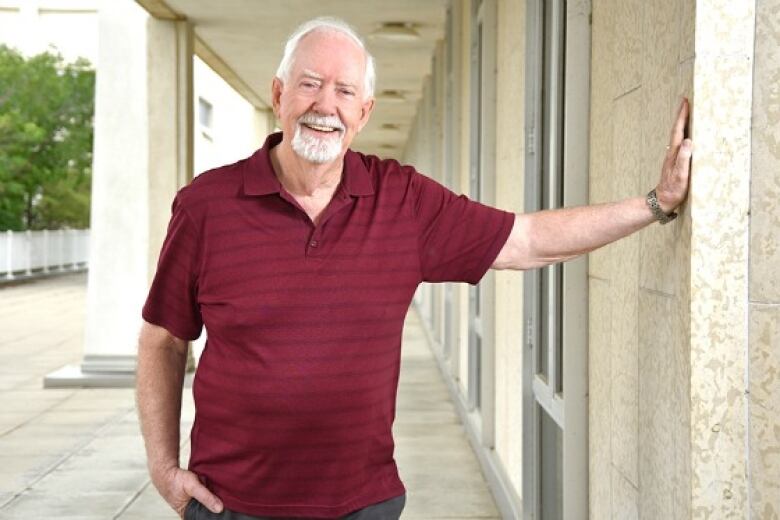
[{"x": 46, "y": 128}]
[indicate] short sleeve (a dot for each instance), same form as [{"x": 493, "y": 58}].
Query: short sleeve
[
  {"x": 172, "y": 302},
  {"x": 459, "y": 239}
]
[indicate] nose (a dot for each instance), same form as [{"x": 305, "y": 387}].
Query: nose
[{"x": 325, "y": 102}]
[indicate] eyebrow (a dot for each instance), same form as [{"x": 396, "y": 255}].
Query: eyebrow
[
  {"x": 345, "y": 84},
  {"x": 311, "y": 74}
]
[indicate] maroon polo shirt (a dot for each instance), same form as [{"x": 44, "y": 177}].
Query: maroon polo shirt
[{"x": 295, "y": 391}]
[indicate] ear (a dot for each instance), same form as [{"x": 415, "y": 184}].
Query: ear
[
  {"x": 366, "y": 109},
  {"x": 276, "y": 95}
]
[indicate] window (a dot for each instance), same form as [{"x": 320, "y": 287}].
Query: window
[
  {"x": 555, "y": 300},
  {"x": 205, "y": 117}
]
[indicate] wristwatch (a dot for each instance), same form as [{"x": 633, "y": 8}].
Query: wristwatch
[{"x": 652, "y": 201}]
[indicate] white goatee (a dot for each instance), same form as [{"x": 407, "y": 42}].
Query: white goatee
[{"x": 318, "y": 149}]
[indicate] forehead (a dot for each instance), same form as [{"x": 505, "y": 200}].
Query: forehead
[{"x": 331, "y": 55}]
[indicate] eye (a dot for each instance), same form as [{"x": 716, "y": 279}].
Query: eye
[
  {"x": 308, "y": 84},
  {"x": 347, "y": 92}
]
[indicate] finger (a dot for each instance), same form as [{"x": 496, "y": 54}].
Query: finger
[
  {"x": 683, "y": 162},
  {"x": 201, "y": 493},
  {"x": 676, "y": 136}
]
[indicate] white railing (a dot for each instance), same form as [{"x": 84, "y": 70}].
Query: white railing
[{"x": 27, "y": 253}]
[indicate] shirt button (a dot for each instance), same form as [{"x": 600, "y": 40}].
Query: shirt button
[{"x": 314, "y": 243}]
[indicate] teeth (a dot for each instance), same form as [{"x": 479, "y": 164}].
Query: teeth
[{"x": 320, "y": 128}]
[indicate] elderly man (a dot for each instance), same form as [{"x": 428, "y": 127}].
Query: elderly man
[{"x": 301, "y": 261}]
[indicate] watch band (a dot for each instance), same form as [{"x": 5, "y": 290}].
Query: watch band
[{"x": 658, "y": 213}]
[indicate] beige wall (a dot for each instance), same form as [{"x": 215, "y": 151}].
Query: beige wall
[
  {"x": 510, "y": 156},
  {"x": 764, "y": 326},
  {"x": 639, "y": 298},
  {"x": 235, "y": 132}
]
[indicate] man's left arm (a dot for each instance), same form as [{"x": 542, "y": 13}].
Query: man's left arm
[{"x": 551, "y": 236}]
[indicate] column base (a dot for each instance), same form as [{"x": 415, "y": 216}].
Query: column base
[
  {"x": 103, "y": 372},
  {"x": 95, "y": 372}
]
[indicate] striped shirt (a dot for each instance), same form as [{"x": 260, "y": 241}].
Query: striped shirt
[{"x": 295, "y": 391}]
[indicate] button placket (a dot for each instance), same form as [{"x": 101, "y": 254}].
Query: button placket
[{"x": 315, "y": 242}]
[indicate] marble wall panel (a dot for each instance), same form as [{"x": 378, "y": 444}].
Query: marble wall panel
[
  {"x": 626, "y": 64},
  {"x": 764, "y": 404},
  {"x": 603, "y": 41},
  {"x": 723, "y": 88},
  {"x": 764, "y": 332},
  {"x": 719, "y": 205},
  {"x": 765, "y": 220},
  {"x": 647, "y": 275},
  {"x": 724, "y": 28},
  {"x": 624, "y": 289},
  {"x": 624, "y": 286},
  {"x": 680, "y": 396},
  {"x": 599, "y": 411},
  {"x": 765, "y": 189},
  {"x": 627, "y": 144},
  {"x": 656, "y": 411},
  {"x": 601, "y": 178},
  {"x": 687, "y": 40},
  {"x": 660, "y": 260},
  {"x": 660, "y": 40},
  {"x": 718, "y": 311},
  {"x": 766, "y": 94},
  {"x": 624, "y": 498}
]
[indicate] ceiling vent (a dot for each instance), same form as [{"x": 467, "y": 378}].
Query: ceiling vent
[
  {"x": 391, "y": 95},
  {"x": 396, "y": 32}
]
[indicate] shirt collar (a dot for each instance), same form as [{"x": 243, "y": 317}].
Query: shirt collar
[{"x": 260, "y": 179}]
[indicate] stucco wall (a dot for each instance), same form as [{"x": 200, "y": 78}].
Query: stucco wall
[
  {"x": 642, "y": 62},
  {"x": 764, "y": 322}
]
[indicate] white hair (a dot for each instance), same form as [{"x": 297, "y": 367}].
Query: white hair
[{"x": 329, "y": 24}]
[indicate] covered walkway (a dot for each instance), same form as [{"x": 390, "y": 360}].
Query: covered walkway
[{"x": 78, "y": 453}]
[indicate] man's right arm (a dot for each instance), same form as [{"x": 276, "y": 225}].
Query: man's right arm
[{"x": 162, "y": 360}]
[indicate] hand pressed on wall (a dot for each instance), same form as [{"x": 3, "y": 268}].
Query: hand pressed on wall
[{"x": 672, "y": 189}]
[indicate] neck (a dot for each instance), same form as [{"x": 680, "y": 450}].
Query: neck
[{"x": 301, "y": 177}]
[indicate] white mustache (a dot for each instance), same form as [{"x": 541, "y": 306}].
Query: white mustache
[{"x": 314, "y": 119}]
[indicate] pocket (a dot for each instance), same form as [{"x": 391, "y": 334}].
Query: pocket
[{"x": 190, "y": 511}]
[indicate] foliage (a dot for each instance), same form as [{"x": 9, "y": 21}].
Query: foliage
[{"x": 46, "y": 122}]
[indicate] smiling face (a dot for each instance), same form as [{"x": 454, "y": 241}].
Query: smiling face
[{"x": 321, "y": 106}]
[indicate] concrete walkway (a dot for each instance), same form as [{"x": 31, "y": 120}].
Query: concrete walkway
[{"x": 78, "y": 454}]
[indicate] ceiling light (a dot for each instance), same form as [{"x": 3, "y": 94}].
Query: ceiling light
[
  {"x": 394, "y": 96},
  {"x": 397, "y": 32}
]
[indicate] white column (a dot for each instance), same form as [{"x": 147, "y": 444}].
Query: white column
[{"x": 142, "y": 155}]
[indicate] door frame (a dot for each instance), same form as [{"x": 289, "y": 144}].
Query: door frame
[{"x": 568, "y": 409}]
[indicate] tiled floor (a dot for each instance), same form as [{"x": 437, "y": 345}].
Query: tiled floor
[{"x": 77, "y": 453}]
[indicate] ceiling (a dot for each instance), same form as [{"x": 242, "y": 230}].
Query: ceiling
[{"x": 243, "y": 41}]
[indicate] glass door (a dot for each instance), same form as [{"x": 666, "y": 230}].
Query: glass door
[{"x": 555, "y": 479}]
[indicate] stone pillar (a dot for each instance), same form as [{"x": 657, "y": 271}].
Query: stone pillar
[
  {"x": 142, "y": 155},
  {"x": 720, "y": 208}
]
